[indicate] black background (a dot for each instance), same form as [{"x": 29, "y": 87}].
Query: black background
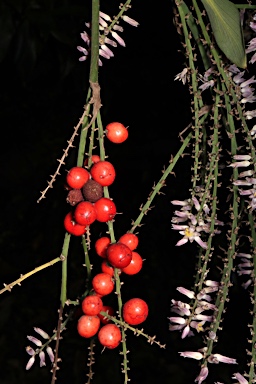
[{"x": 43, "y": 91}]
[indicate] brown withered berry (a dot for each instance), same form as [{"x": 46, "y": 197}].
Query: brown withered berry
[
  {"x": 74, "y": 196},
  {"x": 92, "y": 191}
]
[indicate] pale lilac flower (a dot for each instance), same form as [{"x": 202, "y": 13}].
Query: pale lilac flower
[
  {"x": 30, "y": 363},
  {"x": 217, "y": 358},
  {"x": 192, "y": 355},
  {"x": 203, "y": 317},
  {"x": 118, "y": 38},
  {"x": 130, "y": 21},
  {"x": 202, "y": 375},
  {"x": 177, "y": 320},
  {"x": 206, "y": 85},
  {"x": 50, "y": 353},
  {"x": 42, "y": 333},
  {"x": 238, "y": 164},
  {"x": 185, "y": 332},
  {"x": 186, "y": 292},
  {"x": 176, "y": 327},
  {"x": 240, "y": 378},
  {"x": 250, "y": 114},
  {"x": 30, "y": 350},
  {"x": 190, "y": 234},
  {"x": 35, "y": 340},
  {"x": 42, "y": 358},
  {"x": 105, "y": 16},
  {"x": 118, "y": 28},
  {"x": 182, "y": 76},
  {"x": 197, "y": 325},
  {"x": 211, "y": 283}
]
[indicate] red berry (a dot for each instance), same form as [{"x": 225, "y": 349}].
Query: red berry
[
  {"x": 105, "y": 209},
  {"x": 77, "y": 177},
  {"x": 103, "y": 172},
  {"x": 92, "y": 305},
  {"x": 85, "y": 213},
  {"x": 106, "y": 267},
  {"x": 109, "y": 310},
  {"x": 103, "y": 283},
  {"x": 130, "y": 240},
  {"x": 88, "y": 326},
  {"x": 94, "y": 159},
  {"x": 135, "y": 311},
  {"x": 116, "y": 132},
  {"x": 72, "y": 227},
  {"x": 110, "y": 336},
  {"x": 101, "y": 246},
  {"x": 135, "y": 264},
  {"x": 119, "y": 255}
]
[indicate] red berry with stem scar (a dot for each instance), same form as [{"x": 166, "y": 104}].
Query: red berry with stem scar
[
  {"x": 116, "y": 132},
  {"x": 103, "y": 172},
  {"x": 135, "y": 311},
  {"x": 119, "y": 255}
]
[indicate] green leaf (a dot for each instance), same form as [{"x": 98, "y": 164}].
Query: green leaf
[{"x": 226, "y": 26}]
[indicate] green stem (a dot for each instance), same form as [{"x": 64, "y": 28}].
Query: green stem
[{"x": 64, "y": 253}]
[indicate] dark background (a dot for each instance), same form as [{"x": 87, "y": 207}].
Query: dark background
[{"x": 42, "y": 94}]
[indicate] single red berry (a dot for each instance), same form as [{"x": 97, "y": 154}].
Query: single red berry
[
  {"x": 92, "y": 305},
  {"x": 135, "y": 264},
  {"x": 135, "y": 311},
  {"x": 109, "y": 310},
  {"x": 105, "y": 209},
  {"x": 72, "y": 227},
  {"x": 106, "y": 267},
  {"x": 94, "y": 159},
  {"x": 130, "y": 240},
  {"x": 103, "y": 172},
  {"x": 103, "y": 284},
  {"x": 119, "y": 255},
  {"x": 77, "y": 177},
  {"x": 88, "y": 326},
  {"x": 110, "y": 336},
  {"x": 116, "y": 132},
  {"x": 85, "y": 213},
  {"x": 101, "y": 246}
]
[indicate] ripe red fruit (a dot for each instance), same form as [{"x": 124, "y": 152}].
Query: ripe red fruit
[
  {"x": 77, "y": 177},
  {"x": 135, "y": 311},
  {"x": 135, "y": 264},
  {"x": 94, "y": 159},
  {"x": 116, "y": 132},
  {"x": 110, "y": 336},
  {"x": 106, "y": 267},
  {"x": 105, "y": 209},
  {"x": 103, "y": 284},
  {"x": 107, "y": 309},
  {"x": 119, "y": 255},
  {"x": 88, "y": 326},
  {"x": 92, "y": 305},
  {"x": 130, "y": 240},
  {"x": 101, "y": 246},
  {"x": 72, "y": 227},
  {"x": 103, "y": 172},
  {"x": 85, "y": 213}
]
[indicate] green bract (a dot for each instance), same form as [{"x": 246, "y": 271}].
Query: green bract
[{"x": 226, "y": 26}]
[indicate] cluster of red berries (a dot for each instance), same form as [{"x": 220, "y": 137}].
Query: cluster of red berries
[
  {"x": 119, "y": 255},
  {"x": 86, "y": 188}
]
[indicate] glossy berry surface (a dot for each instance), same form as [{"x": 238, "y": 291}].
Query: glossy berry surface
[
  {"x": 130, "y": 240},
  {"x": 85, "y": 213},
  {"x": 106, "y": 267},
  {"x": 103, "y": 172},
  {"x": 72, "y": 227},
  {"x": 135, "y": 264},
  {"x": 135, "y": 311},
  {"x": 110, "y": 336},
  {"x": 77, "y": 177},
  {"x": 103, "y": 284},
  {"x": 101, "y": 246},
  {"x": 116, "y": 132},
  {"x": 88, "y": 326},
  {"x": 119, "y": 255},
  {"x": 105, "y": 209},
  {"x": 108, "y": 309},
  {"x": 92, "y": 305}
]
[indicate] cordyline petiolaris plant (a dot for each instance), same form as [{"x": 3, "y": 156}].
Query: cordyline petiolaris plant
[{"x": 218, "y": 213}]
